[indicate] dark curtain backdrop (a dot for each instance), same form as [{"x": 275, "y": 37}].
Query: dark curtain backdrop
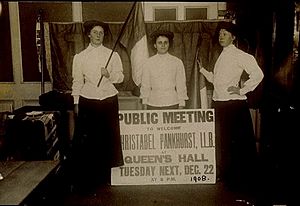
[{"x": 64, "y": 40}]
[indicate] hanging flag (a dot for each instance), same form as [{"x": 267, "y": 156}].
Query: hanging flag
[
  {"x": 202, "y": 85},
  {"x": 198, "y": 94},
  {"x": 134, "y": 39}
]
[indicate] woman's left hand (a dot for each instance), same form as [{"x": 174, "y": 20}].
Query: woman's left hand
[{"x": 234, "y": 90}]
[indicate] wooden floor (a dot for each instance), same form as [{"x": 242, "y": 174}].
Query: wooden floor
[
  {"x": 35, "y": 184},
  {"x": 171, "y": 195},
  {"x": 54, "y": 192},
  {"x": 167, "y": 195}
]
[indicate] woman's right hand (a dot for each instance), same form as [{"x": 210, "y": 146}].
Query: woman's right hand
[{"x": 104, "y": 72}]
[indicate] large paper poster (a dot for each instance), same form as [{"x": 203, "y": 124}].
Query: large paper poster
[{"x": 167, "y": 147}]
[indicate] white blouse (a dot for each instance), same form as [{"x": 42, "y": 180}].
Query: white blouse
[
  {"x": 228, "y": 70},
  {"x": 163, "y": 81},
  {"x": 86, "y": 73}
]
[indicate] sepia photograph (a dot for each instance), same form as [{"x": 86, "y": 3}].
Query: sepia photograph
[{"x": 149, "y": 103}]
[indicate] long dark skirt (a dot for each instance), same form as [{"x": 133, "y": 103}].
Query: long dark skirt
[
  {"x": 96, "y": 146},
  {"x": 149, "y": 107},
  {"x": 236, "y": 154}
]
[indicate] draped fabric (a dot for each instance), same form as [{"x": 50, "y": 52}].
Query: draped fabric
[{"x": 67, "y": 39}]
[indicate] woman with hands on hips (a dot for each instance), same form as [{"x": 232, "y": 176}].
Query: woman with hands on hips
[{"x": 235, "y": 140}]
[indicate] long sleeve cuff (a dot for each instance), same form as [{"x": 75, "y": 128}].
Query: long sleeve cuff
[
  {"x": 182, "y": 103},
  {"x": 144, "y": 101}
]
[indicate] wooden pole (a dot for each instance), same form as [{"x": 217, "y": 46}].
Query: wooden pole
[{"x": 119, "y": 37}]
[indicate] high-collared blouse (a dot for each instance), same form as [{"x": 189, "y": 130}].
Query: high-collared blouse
[
  {"x": 86, "y": 73},
  {"x": 228, "y": 70},
  {"x": 163, "y": 81}
]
